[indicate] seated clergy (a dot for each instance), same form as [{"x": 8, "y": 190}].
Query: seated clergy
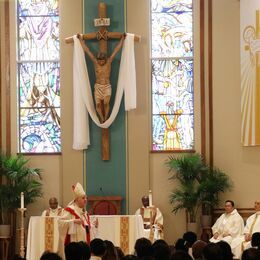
[
  {"x": 152, "y": 218},
  {"x": 243, "y": 242},
  {"x": 229, "y": 225},
  {"x": 74, "y": 224},
  {"x": 54, "y": 209}
]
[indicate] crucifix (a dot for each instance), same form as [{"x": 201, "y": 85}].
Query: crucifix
[{"x": 102, "y": 66}]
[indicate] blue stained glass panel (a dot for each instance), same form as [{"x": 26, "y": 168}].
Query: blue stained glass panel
[
  {"x": 173, "y": 132},
  {"x": 40, "y": 130},
  {"x": 172, "y": 35},
  {"x": 38, "y": 8},
  {"x": 168, "y": 6},
  {"x": 39, "y": 38},
  {"x": 39, "y": 84},
  {"x": 172, "y": 86}
]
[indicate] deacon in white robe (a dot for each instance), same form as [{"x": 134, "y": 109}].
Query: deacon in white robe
[
  {"x": 54, "y": 209},
  {"x": 243, "y": 242},
  {"x": 153, "y": 220},
  {"x": 74, "y": 224},
  {"x": 228, "y": 226}
]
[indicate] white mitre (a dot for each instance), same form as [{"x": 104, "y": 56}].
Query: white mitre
[{"x": 78, "y": 190}]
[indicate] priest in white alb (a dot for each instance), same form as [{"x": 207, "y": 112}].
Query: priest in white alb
[
  {"x": 252, "y": 225},
  {"x": 54, "y": 209},
  {"x": 74, "y": 225},
  {"x": 229, "y": 225},
  {"x": 152, "y": 218}
]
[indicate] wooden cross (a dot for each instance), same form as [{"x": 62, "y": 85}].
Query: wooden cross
[{"x": 102, "y": 35}]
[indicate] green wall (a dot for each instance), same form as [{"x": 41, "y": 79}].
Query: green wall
[{"x": 106, "y": 178}]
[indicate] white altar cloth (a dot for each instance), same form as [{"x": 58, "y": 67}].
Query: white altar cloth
[
  {"x": 41, "y": 237},
  {"x": 111, "y": 228},
  {"x": 122, "y": 230}
]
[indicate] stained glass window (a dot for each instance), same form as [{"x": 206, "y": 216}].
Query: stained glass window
[
  {"x": 172, "y": 75},
  {"x": 38, "y": 76}
]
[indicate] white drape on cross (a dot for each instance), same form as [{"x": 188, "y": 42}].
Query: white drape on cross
[{"x": 83, "y": 103}]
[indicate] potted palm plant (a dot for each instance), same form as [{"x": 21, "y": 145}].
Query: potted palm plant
[
  {"x": 211, "y": 184},
  {"x": 16, "y": 177},
  {"x": 186, "y": 170},
  {"x": 199, "y": 185}
]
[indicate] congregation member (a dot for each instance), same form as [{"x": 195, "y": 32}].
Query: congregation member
[
  {"x": 152, "y": 218},
  {"x": 143, "y": 247},
  {"x": 181, "y": 255},
  {"x": 74, "y": 224},
  {"x": 256, "y": 240},
  {"x": 50, "y": 256},
  {"x": 54, "y": 209},
  {"x": 111, "y": 252},
  {"x": 98, "y": 249},
  {"x": 77, "y": 251},
  {"x": 190, "y": 238},
  {"x": 252, "y": 226},
  {"x": 226, "y": 250},
  {"x": 161, "y": 250},
  {"x": 229, "y": 225},
  {"x": 213, "y": 251},
  {"x": 251, "y": 254},
  {"x": 197, "y": 249}
]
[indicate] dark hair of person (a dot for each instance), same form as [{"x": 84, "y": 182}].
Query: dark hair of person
[
  {"x": 226, "y": 250},
  {"x": 213, "y": 252},
  {"x": 160, "y": 241},
  {"x": 130, "y": 257},
  {"x": 161, "y": 250},
  {"x": 77, "y": 251},
  {"x": 50, "y": 256},
  {"x": 85, "y": 250},
  {"x": 180, "y": 245},
  {"x": 181, "y": 255},
  {"x": 143, "y": 247},
  {"x": 251, "y": 254},
  {"x": 97, "y": 247},
  {"x": 231, "y": 202},
  {"x": 255, "y": 242},
  {"x": 197, "y": 249},
  {"x": 111, "y": 252},
  {"x": 120, "y": 252},
  {"x": 190, "y": 238}
]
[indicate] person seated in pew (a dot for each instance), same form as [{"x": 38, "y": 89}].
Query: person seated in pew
[
  {"x": 152, "y": 218},
  {"x": 54, "y": 209},
  {"x": 243, "y": 242},
  {"x": 229, "y": 225}
]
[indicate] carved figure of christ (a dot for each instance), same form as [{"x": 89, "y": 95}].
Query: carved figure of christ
[{"x": 102, "y": 88}]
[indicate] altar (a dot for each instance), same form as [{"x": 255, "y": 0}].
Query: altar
[{"x": 122, "y": 230}]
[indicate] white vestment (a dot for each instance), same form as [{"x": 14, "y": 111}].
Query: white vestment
[
  {"x": 71, "y": 232},
  {"x": 239, "y": 244},
  {"x": 231, "y": 224},
  {"x": 152, "y": 216},
  {"x": 52, "y": 212}
]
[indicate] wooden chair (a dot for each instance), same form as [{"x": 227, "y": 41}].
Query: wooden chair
[{"x": 104, "y": 205}]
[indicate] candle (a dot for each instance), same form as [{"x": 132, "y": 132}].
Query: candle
[
  {"x": 150, "y": 198},
  {"x": 22, "y": 200}
]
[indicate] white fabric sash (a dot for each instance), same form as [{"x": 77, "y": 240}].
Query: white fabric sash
[{"x": 82, "y": 95}]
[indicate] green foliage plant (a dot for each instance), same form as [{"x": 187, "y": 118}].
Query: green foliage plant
[
  {"x": 16, "y": 177},
  {"x": 198, "y": 184}
]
